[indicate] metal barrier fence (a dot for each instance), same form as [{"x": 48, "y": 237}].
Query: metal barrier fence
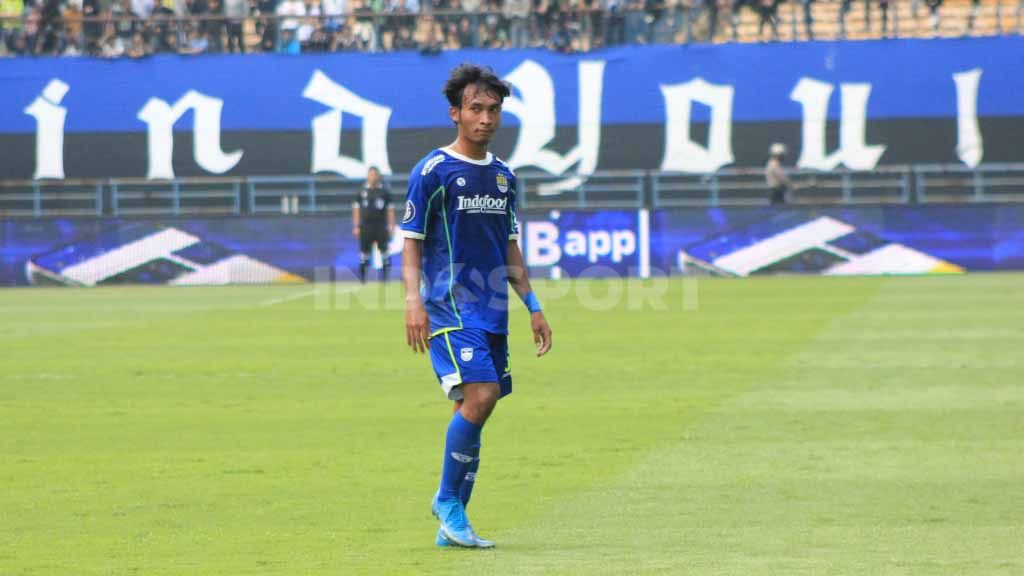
[
  {"x": 565, "y": 29},
  {"x": 932, "y": 183},
  {"x": 739, "y": 186}
]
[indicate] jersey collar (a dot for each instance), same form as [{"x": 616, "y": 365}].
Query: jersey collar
[{"x": 485, "y": 162}]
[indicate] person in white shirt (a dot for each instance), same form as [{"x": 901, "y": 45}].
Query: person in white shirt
[
  {"x": 775, "y": 174},
  {"x": 291, "y": 10}
]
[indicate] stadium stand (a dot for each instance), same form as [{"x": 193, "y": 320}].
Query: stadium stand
[{"x": 126, "y": 28}]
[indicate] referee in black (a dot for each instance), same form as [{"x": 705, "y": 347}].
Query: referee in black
[{"x": 373, "y": 221}]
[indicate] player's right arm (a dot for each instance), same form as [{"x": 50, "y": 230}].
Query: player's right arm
[
  {"x": 355, "y": 218},
  {"x": 423, "y": 184},
  {"x": 417, "y": 324}
]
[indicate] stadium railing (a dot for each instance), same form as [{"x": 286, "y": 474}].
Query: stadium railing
[
  {"x": 138, "y": 197},
  {"x": 739, "y": 186},
  {"x": 955, "y": 183},
  {"x": 625, "y": 189},
  {"x": 36, "y": 198}
]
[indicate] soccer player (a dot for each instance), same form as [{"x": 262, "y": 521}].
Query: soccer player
[
  {"x": 461, "y": 238},
  {"x": 373, "y": 221}
]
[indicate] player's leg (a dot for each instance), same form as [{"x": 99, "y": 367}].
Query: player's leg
[
  {"x": 478, "y": 403},
  {"x": 365, "y": 246},
  {"x": 461, "y": 449},
  {"x": 385, "y": 256},
  {"x": 462, "y": 442},
  {"x": 469, "y": 480},
  {"x": 499, "y": 356},
  {"x": 464, "y": 367}
]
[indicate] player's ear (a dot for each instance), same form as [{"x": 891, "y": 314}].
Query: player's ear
[{"x": 453, "y": 113}]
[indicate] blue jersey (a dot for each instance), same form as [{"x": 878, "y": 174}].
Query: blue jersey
[{"x": 464, "y": 210}]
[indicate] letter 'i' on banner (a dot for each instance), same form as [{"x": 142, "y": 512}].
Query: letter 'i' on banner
[
  {"x": 970, "y": 147},
  {"x": 50, "y": 117}
]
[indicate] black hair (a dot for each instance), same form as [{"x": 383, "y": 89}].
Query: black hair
[{"x": 482, "y": 76}]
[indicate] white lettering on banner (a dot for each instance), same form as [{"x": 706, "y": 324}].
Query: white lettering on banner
[
  {"x": 682, "y": 154},
  {"x": 536, "y": 113},
  {"x": 969, "y": 144},
  {"x": 327, "y": 129},
  {"x": 813, "y": 95},
  {"x": 544, "y": 249},
  {"x": 50, "y": 117},
  {"x": 542, "y": 244},
  {"x": 160, "y": 117}
]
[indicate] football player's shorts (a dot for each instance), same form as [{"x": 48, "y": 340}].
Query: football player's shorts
[{"x": 470, "y": 355}]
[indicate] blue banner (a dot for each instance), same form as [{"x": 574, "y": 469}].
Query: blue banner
[
  {"x": 908, "y": 79},
  {"x": 570, "y": 243},
  {"x": 690, "y": 109},
  {"x": 839, "y": 240},
  {"x": 580, "y": 244}
]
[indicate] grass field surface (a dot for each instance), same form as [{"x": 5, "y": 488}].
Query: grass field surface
[{"x": 789, "y": 426}]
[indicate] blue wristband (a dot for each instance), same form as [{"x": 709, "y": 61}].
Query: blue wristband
[{"x": 532, "y": 304}]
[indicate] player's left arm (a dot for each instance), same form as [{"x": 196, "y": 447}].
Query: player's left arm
[{"x": 519, "y": 280}]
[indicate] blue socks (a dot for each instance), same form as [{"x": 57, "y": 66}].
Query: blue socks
[
  {"x": 462, "y": 446},
  {"x": 466, "y": 488}
]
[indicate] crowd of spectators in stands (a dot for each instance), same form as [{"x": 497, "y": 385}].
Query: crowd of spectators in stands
[{"x": 138, "y": 28}]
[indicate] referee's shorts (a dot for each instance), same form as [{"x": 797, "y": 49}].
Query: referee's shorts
[{"x": 370, "y": 234}]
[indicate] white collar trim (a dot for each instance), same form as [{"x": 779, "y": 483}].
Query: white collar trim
[{"x": 485, "y": 162}]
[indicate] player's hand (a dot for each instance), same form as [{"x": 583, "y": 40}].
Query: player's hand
[
  {"x": 355, "y": 231},
  {"x": 417, "y": 327},
  {"x": 541, "y": 333}
]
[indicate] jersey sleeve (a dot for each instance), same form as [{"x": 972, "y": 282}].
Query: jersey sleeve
[
  {"x": 513, "y": 216},
  {"x": 423, "y": 182}
]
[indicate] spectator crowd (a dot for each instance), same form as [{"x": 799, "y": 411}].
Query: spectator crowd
[{"x": 138, "y": 28}]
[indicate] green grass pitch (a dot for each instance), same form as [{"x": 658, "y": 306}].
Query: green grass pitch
[{"x": 790, "y": 426}]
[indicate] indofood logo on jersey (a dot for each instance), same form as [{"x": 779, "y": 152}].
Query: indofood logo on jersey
[{"x": 483, "y": 204}]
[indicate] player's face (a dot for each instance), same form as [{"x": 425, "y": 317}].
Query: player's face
[
  {"x": 480, "y": 115},
  {"x": 372, "y": 177}
]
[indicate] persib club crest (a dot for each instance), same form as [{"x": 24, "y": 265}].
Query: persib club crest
[
  {"x": 466, "y": 354},
  {"x": 410, "y": 211},
  {"x": 502, "y": 183}
]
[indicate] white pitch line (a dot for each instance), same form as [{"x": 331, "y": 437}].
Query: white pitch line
[{"x": 276, "y": 301}]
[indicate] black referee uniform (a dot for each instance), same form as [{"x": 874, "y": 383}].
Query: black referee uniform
[{"x": 374, "y": 204}]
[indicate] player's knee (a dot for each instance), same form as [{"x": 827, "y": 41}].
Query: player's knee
[{"x": 479, "y": 401}]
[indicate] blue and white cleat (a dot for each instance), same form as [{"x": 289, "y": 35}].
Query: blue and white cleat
[
  {"x": 443, "y": 542},
  {"x": 480, "y": 542},
  {"x": 454, "y": 525}
]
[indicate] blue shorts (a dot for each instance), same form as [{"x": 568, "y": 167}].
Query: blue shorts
[{"x": 470, "y": 355}]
